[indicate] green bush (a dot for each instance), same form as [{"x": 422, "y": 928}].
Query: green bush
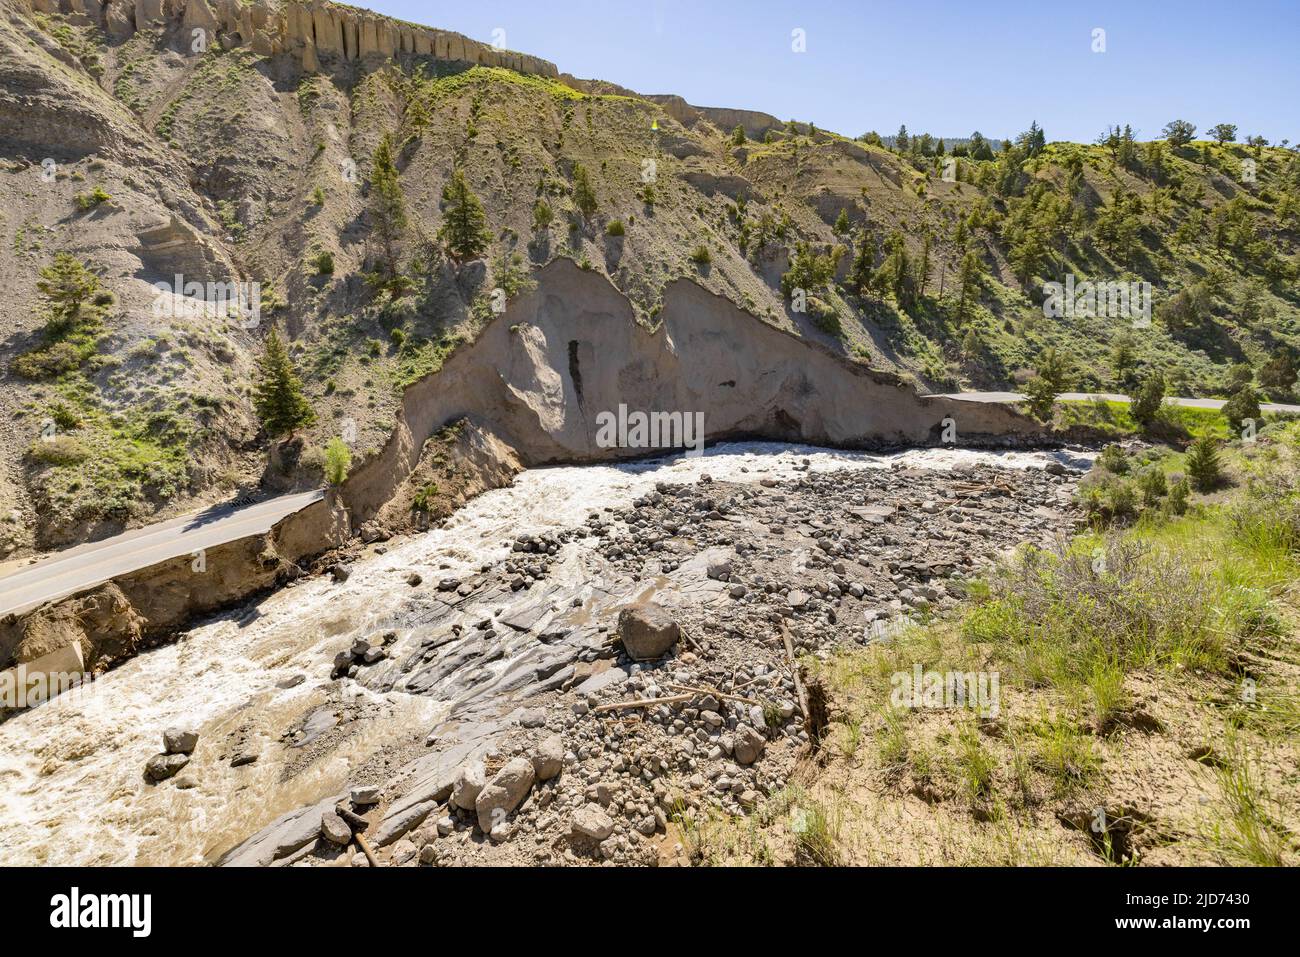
[
  {"x": 1153, "y": 485},
  {"x": 338, "y": 460},
  {"x": 1040, "y": 396},
  {"x": 1149, "y": 397},
  {"x": 1244, "y": 404},
  {"x": 88, "y": 201},
  {"x": 615, "y": 228},
  {"x": 1204, "y": 468},
  {"x": 701, "y": 256},
  {"x": 1113, "y": 459}
]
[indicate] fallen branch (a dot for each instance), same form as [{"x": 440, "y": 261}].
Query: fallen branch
[
  {"x": 641, "y": 703},
  {"x": 365, "y": 848},
  {"x": 358, "y": 824},
  {"x": 715, "y": 692},
  {"x": 798, "y": 683}
]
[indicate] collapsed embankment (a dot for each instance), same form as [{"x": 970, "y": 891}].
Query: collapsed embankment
[{"x": 531, "y": 388}]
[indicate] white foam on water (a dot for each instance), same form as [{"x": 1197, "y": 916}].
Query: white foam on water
[{"x": 71, "y": 785}]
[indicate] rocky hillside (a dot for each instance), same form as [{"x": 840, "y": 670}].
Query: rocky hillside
[{"x": 235, "y": 142}]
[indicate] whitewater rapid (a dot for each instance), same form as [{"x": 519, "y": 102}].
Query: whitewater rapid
[{"x": 71, "y": 785}]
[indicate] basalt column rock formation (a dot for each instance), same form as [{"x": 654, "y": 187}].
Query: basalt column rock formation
[
  {"x": 541, "y": 374},
  {"x": 313, "y": 33}
]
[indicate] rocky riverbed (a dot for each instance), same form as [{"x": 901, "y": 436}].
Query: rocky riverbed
[{"x": 462, "y": 696}]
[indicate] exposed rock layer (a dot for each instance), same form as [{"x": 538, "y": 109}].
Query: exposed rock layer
[{"x": 317, "y": 34}]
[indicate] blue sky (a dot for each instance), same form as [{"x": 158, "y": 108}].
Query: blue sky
[{"x": 938, "y": 65}]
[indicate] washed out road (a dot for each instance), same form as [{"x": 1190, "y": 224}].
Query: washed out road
[{"x": 63, "y": 573}]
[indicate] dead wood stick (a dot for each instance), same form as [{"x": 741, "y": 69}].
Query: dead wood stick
[
  {"x": 358, "y": 824},
  {"x": 641, "y": 703},
  {"x": 794, "y": 668},
  {"x": 715, "y": 692},
  {"x": 365, "y": 848}
]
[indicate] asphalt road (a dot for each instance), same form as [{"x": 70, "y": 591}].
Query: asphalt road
[
  {"x": 1113, "y": 397},
  {"x": 76, "y": 568}
]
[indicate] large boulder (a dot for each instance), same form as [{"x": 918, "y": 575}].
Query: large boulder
[
  {"x": 647, "y": 631},
  {"x": 504, "y": 792}
]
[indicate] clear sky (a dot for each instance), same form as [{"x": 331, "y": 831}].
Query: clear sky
[{"x": 940, "y": 66}]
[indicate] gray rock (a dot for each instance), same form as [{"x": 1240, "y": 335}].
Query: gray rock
[
  {"x": 548, "y": 757},
  {"x": 179, "y": 741},
  {"x": 720, "y": 571},
  {"x": 469, "y": 782},
  {"x": 647, "y": 631},
  {"x": 364, "y": 795},
  {"x": 748, "y": 745},
  {"x": 504, "y": 793},
  {"x": 334, "y": 829},
  {"x": 163, "y": 766},
  {"x": 592, "y": 822}
]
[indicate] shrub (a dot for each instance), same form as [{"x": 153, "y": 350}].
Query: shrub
[
  {"x": 48, "y": 363},
  {"x": 701, "y": 256},
  {"x": 1179, "y": 493},
  {"x": 1040, "y": 396},
  {"x": 1243, "y": 405},
  {"x": 323, "y": 263},
  {"x": 338, "y": 460},
  {"x": 88, "y": 201},
  {"x": 615, "y": 228},
  {"x": 542, "y": 215},
  {"x": 1204, "y": 468},
  {"x": 1147, "y": 402},
  {"x": 1059, "y": 616},
  {"x": 1154, "y": 486},
  {"x": 424, "y": 497},
  {"x": 65, "y": 418},
  {"x": 1113, "y": 459},
  {"x": 60, "y": 450}
]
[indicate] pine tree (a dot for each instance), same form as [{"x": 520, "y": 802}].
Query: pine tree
[
  {"x": 861, "y": 272},
  {"x": 738, "y": 136},
  {"x": 970, "y": 273},
  {"x": 464, "y": 230},
  {"x": 584, "y": 196},
  {"x": 387, "y": 209},
  {"x": 67, "y": 287},
  {"x": 1054, "y": 368},
  {"x": 277, "y": 393},
  {"x": 900, "y": 139},
  {"x": 923, "y": 270},
  {"x": 1203, "y": 465},
  {"x": 1146, "y": 404},
  {"x": 841, "y": 226}
]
